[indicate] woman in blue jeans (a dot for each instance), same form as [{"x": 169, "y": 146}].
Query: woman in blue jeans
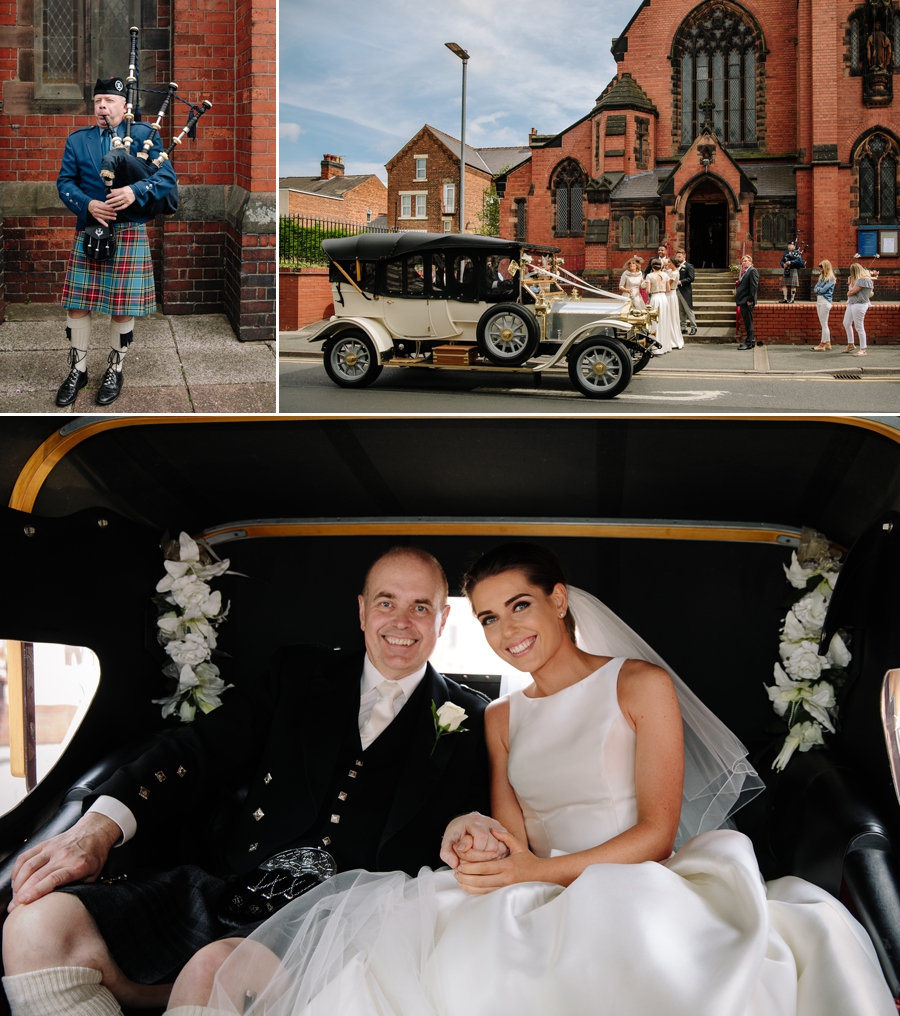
[{"x": 824, "y": 290}]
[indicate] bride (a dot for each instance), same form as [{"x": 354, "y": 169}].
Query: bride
[{"x": 569, "y": 899}]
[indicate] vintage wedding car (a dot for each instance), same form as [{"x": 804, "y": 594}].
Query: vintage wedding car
[
  {"x": 301, "y": 506},
  {"x": 432, "y": 300}
]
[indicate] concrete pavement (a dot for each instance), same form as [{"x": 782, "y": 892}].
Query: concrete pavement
[{"x": 177, "y": 364}]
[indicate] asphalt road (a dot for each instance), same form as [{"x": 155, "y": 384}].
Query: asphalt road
[{"x": 721, "y": 380}]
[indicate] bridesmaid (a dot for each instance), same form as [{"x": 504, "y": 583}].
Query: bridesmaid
[
  {"x": 670, "y": 269},
  {"x": 656, "y": 284}
]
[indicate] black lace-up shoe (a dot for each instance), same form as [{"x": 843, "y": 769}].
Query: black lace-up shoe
[
  {"x": 72, "y": 385},
  {"x": 111, "y": 385},
  {"x": 76, "y": 380}
]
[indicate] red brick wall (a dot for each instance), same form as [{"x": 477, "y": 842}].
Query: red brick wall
[
  {"x": 254, "y": 121},
  {"x": 304, "y": 296},
  {"x": 250, "y": 283},
  {"x": 370, "y": 194},
  {"x": 799, "y": 323}
]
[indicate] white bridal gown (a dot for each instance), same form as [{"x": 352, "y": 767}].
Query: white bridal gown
[{"x": 699, "y": 935}]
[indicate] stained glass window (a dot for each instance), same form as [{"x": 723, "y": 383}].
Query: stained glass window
[
  {"x": 877, "y": 159},
  {"x": 624, "y": 231},
  {"x": 716, "y": 49},
  {"x": 569, "y": 188}
]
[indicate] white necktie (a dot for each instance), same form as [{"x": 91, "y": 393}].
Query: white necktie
[{"x": 382, "y": 714}]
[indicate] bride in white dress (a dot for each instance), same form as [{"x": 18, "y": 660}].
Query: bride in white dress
[{"x": 588, "y": 912}]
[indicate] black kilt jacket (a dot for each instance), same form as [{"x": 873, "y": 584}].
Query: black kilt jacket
[{"x": 289, "y": 739}]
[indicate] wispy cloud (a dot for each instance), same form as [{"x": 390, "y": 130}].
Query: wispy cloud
[{"x": 384, "y": 68}]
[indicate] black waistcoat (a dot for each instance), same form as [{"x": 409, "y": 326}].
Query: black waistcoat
[{"x": 363, "y": 787}]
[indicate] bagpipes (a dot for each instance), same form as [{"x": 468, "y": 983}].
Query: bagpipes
[{"x": 121, "y": 167}]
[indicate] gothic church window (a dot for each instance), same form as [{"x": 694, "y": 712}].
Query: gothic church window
[
  {"x": 568, "y": 187},
  {"x": 781, "y": 230},
  {"x": 766, "y": 231},
  {"x": 640, "y": 238},
  {"x": 652, "y": 231},
  {"x": 715, "y": 51},
  {"x": 876, "y": 164},
  {"x": 624, "y": 231}
]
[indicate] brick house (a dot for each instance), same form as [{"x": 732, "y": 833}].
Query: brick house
[
  {"x": 217, "y": 254},
  {"x": 333, "y": 195},
  {"x": 423, "y": 182},
  {"x": 728, "y": 127}
]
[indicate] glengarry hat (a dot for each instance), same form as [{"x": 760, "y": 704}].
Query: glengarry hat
[{"x": 110, "y": 86}]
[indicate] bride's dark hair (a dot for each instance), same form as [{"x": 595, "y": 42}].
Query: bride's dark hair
[{"x": 540, "y": 567}]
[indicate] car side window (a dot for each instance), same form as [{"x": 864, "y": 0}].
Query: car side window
[
  {"x": 415, "y": 275},
  {"x": 393, "y": 277},
  {"x": 463, "y": 281},
  {"x": 497, "y": 282},
  {"x": 367, "y": 276},
  {"x": 438, "y": 276}
]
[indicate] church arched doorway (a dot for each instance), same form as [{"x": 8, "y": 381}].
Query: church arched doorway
[{"x": 706, "y": 229}]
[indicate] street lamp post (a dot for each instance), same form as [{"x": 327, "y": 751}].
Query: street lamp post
[{"x": 464, "y": 56}]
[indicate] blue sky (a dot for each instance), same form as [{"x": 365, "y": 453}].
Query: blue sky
[{"x": 359, "y": 78}]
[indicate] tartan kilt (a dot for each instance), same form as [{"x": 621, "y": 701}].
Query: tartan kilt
[
  {"x": 155, "y": 922},
  {"x": 122, "y": 286},
  {"x": 790, "y": 278}
]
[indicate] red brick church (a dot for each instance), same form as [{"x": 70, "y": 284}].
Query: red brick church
[{"x": 728, "y": 128}]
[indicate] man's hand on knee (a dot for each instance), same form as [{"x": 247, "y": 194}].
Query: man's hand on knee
[
  {"x": 471, "y": 836},
  {"x": 76, "y": 855}
]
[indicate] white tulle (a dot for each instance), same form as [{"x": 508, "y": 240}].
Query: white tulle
[
  {"x": 698, "y": 935},
  {"x": 718, "y": 779}
]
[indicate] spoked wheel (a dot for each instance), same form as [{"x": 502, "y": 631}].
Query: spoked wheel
[
  {"x": 640, "y": 358},
  {"x": 600, "y": 368},
  {"x": 351, "y": 360},
  {"x": 507, "y": 335}
]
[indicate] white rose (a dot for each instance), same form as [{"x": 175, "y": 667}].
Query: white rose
[
  {"x": 190, "y": 650},
  {"x": 450, "y": 716},
  {"x": 811, "y": 609},
  {"x": 804, "y": 664},
  {"x": 190, "y": 592},
  {"x": 803, "y": 736}
]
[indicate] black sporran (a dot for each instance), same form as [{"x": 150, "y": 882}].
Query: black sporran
[
  {"x": 276, "y": 882},
  {"x": 99, "y": 241}
]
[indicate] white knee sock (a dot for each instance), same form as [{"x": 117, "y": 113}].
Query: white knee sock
[
  {"x": 79, "y": 330},
  {"x": 120, "y": 335},
  {"x": 75, "y": 991}
]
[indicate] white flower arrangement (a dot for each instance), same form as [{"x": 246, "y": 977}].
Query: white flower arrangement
[
  {"x": 190, "y": 612},
  {"x": 805, "y": 682}
]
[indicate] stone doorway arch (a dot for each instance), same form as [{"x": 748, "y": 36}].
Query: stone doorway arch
[{"x": 706, "y": 226}]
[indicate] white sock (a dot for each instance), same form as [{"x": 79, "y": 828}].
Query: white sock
[
  {"x": 120, "y": 335},
  {"x": 79, "y": 329},
  {"x": 75, "y": 991}
]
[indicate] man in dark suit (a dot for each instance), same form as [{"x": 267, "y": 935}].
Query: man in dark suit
[
  {"x": 686, "y": 293},
  {"x": 340, "y": 751},
  {"x": 745, "y": 298}
]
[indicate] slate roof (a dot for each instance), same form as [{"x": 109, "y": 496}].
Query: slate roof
[
  {"x": 774, "y": 181},
  {"x": 336, "y": 187},
  {"x": 488, "y": 160},
  {"x": 624, "y": 93},
  {"x": 641, "y": 186}
]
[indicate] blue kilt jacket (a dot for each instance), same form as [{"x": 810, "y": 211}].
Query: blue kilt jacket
[{"x": 79, "y": 181}]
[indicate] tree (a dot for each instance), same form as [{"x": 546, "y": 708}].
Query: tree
[{"x": 489, "y": 216}]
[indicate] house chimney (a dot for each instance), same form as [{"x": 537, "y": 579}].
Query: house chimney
[{"x": 332, "y": 165}]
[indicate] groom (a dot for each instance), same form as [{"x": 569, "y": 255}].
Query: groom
[{"x": 340, "y": 751}]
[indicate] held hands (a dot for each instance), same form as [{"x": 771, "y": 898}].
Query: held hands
[
  {"x": 520, "y": 865},
  {"x": 76, "y": 855},
  {"x": 472, "y": 837}
]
